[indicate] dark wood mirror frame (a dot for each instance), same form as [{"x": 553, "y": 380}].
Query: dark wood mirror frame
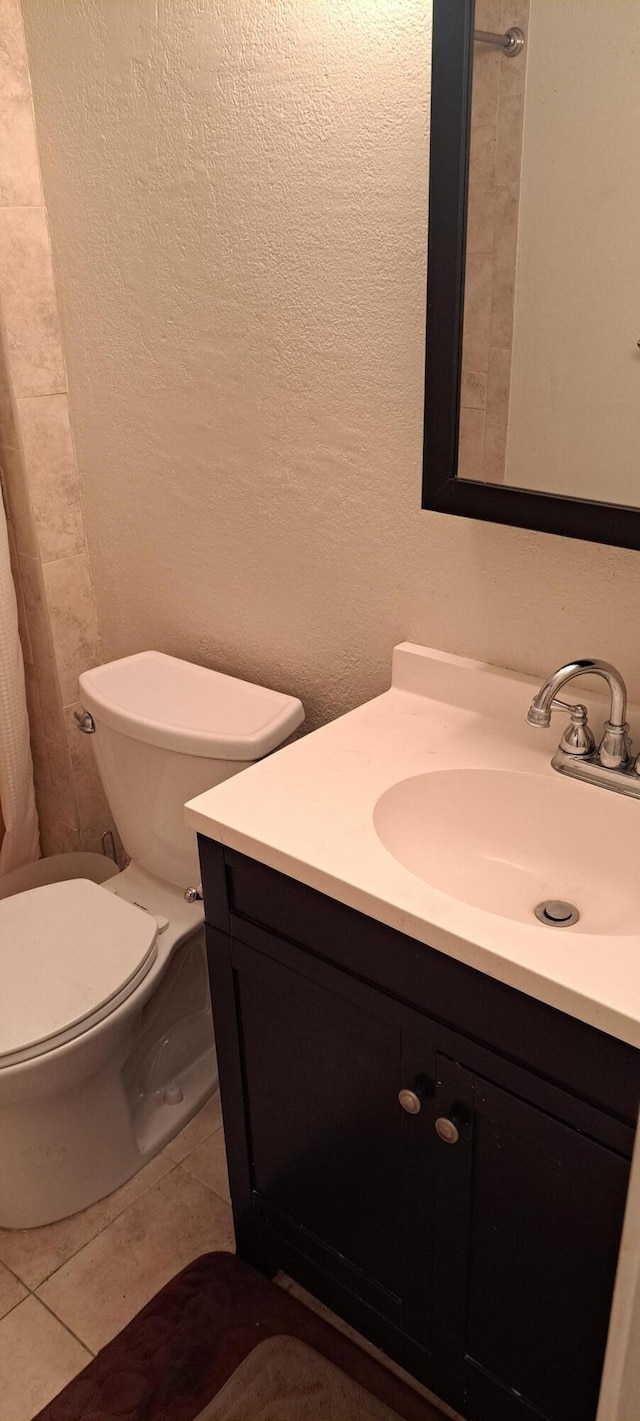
[{"x": 442, "y": 490}]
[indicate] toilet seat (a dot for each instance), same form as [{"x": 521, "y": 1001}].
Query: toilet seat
[{"x": 70, "y": 953}]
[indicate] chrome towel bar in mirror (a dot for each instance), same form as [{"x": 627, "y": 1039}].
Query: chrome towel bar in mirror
[{"x": 511, "y": 42}]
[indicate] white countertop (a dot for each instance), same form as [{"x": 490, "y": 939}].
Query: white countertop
[{"x": 308, "y": 809}]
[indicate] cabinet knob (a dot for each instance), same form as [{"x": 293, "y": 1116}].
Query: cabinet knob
[
  {"x": 410, "y": 1101},
  {"x": 447, "y": 1131}
]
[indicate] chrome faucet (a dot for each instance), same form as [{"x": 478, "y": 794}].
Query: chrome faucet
[{"x": 612, "y": 765}]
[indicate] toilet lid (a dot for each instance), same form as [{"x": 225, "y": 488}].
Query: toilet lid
[{"x": 69, "y": 954}]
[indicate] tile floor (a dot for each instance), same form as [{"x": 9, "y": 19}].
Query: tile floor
[{"x": 67, "y": 1288}]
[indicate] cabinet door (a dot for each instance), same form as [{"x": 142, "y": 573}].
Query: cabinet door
[
  {"x": 323, "y": 1061},
  {"x": 529, "y": 1214}
]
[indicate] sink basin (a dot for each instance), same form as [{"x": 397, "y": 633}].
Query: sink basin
[{"x": 507, "y": 841}]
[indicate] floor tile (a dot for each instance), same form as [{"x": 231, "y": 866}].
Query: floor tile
[
  {"x": 37, "y": 1359},
  {"x": 112, "y": 1277},
  {"x": 204, "y": 1124},
  {"x": 35, "y": 1253},
  {"x": 208, "y": 1163},
  {"x": 11, "y": 1291}
]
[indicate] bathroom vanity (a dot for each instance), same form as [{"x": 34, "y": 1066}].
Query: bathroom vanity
[{"x": 429, "y": 1106}]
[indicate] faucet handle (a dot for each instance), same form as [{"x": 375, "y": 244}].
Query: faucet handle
[
  {"x": 541, "y": 715},
  {"x": 615, "y": 746},
  {"x": 574, "y": 710},
  {"x": 577, "y": 739}
]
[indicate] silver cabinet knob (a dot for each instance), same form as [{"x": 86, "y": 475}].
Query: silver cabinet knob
[
  {"x": 447, "y": 1131},
  {"x": 410, "y": 1101}
]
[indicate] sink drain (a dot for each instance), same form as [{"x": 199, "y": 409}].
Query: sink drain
[{"x": 556, "y": 913}]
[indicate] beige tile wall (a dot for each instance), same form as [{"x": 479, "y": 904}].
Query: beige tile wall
[
  {"x": 58, "y": 623},
  {"x": 494, "y": 189}
]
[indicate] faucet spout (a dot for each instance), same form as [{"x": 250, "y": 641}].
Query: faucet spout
[
  {"x": 614, "y": 750},
  {"x": 539, "y": 712}
]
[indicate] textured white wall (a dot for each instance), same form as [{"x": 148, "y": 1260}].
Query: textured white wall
[{"x": 237, "y": 194}]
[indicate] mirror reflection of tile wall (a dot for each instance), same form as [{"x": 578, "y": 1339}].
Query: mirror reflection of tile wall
[{"x": 494, "y": 192}]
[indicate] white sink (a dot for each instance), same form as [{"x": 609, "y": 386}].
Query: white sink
[
  {"x": 434, "y": 808},
  {"x": 506, "y": 841}
]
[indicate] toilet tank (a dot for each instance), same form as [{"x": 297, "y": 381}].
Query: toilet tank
[{"x": 165, "y": 731}]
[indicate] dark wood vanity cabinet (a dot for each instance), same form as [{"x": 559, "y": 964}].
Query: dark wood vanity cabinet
[{"x": 474, "y": 1240}]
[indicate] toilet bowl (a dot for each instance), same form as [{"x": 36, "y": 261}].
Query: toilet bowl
[
  {"x": 106, "y": 1034},
  {"x": 54, "y": 869}
]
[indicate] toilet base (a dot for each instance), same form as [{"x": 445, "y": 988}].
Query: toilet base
[{"x": 79, "y": 1121}]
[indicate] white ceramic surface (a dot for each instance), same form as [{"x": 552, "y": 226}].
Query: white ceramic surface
[
  {"x": 165, "y": 731},
  {"x": 506, "y": 841},
  {"x": 176, "y": 705},
  {"x": 146, "y": 787},
  {"x": 311, "y": 811},
  {"x": 106, "y": 1045},
  {"x": 69, "y": 954},
  {"x": 79, "y": 1119}
]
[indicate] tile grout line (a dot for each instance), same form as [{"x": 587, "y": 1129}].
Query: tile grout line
[
  {"x": 173, "y": 1165},
  {"x": 15, "y": 1305},
  {"x": 96, "y": 1235},
  {"x": 15, "y": 1275},
  {"x": 63, "y": 1324},
  {"x": 195, "y": 1147},
  {"x": 52, "y": 1306},
  {"x": 208, "y": 1187},
  {"x": 73, "y": 1254},
  {"x": 59, "y": 1249}
]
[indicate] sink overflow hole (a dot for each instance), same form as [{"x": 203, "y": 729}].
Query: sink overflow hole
[{"x": 556, "y": 913}]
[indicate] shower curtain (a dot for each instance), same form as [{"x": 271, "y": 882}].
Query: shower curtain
[{"x": 17, "y": 799}]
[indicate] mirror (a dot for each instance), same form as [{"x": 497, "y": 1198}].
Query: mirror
[{"x": 532, "y": 408}]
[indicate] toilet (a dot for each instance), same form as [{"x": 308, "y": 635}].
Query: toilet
[{"x": 106, "y": 1034}]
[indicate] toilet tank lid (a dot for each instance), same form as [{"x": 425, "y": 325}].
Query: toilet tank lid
[{"x": 190, "y": 709}]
